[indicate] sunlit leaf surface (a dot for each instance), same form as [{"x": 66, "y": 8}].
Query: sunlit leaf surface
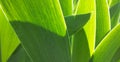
[
  {"x": 8, "y": 38},
  {"x": 103, "y": 25},
  {"x": 45, "y": 13},
  {"x": 108, "y": 46}
]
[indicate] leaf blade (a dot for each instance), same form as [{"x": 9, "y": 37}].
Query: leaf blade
[
  {"x": 9, "y": 40},
  {"x": 42, "y": 43},
  {"x": 75, "y": 23},
  {"x": 103, "y": 24},
  {"x": 88, "y": 30},
  {"x": 115, "y": 14},
  {"x": 108, "y": 46},
  {"x": 30, "y": 11},
  {"x": 66, "y": 6}
]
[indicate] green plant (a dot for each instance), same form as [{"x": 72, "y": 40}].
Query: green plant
[{"x": 59, "y": 31}]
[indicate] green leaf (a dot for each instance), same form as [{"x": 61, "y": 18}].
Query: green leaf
[
  {"x": 75, "y": 2},
  {"x": 87, "y": 34},
  {"x": 115, "y": 14},
  {"x": 109, "y": 2},
  {"x": 75, "y": 23},
  {"x": 19, "y": 55},
  {"x": 8, "y": 38},
  {"x": 41, "y": 44},
  {"x": 90, "y": 27},
  {"x": 39, "y": 12},
  {"x": 81, "y": 52},
  {"x": 118, "y": 60},
  {"x": 114, "y": 2},
  {"x": 66, "y": 6},
  {"x": 82, "y": 8},
  {"x": 108, "y": 46},
  {"x": 116, "y": 56},
  {"x": 0, "y": 49},
  {"x": 0, "y": 45},
  {"x": 37, "y": 18},
  {"x": 103, "y": 25}
]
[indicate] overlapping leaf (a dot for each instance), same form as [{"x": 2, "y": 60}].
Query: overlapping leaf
[
  {"x": 103, "y": 25},
  {"x": 87, "y": 33},
  {"x": 76, "y": 22},
  {"x": 80, "y": 52},
  {"x": 108, "y": 46},
  {"x": 39, "y": 12},
  {"x": 39, "y": 42},
  {"x": 42, "y": 45},
  {"x": 19, "y": 55},
  {"x": 8, "y": 38},
  {"x": 41, "y": 28}
]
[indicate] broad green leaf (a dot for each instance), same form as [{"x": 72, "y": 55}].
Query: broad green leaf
[
  {"x": 41, "y": 44},
  {"x": 19, "y": 55},
  {"x": 76, "y": 22},
  {"x": 80, "y": 51},
  {"x": 114, "y": 15},
  {"x": 45, "y": 13},
  {"x": 8, "y": 38},
  {"x": 66, "y": 6},
  {"x": 102, "y": 20},
  {"x": 87, "y": 34},
  {"x": 108, "y": 46}
]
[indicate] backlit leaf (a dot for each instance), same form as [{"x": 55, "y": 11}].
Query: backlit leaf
[
  {"x": 66, "y": 6},
  {"x": 108, "y": 46},
  {"x": 39, "y": 12},
  {"x": 87, "y": 33},
  {"x": 103, "y": 25},
  {"x": 8, "y": 38}
]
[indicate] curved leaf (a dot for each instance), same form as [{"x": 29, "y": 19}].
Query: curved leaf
[
  {"x": 39, "y": 12},
  {"x": 87, "y": 34},
  {"x": 8, "y": 38},
  {"x": 103, "y": 25},
  {"x": 108, "y": 46}
]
